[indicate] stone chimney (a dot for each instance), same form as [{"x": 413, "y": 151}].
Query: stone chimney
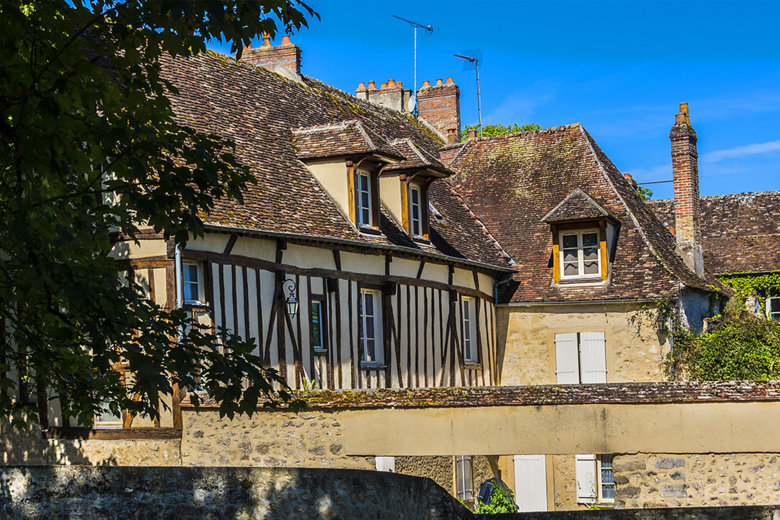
[
  {"x": 439, "y": 105},
  {"x": 686, "y": 191},
  {"x": 284, "y": 59},
  {"x": 391, "y": 94}
]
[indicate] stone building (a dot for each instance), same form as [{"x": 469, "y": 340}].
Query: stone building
[{"x": 416, "y": 262}]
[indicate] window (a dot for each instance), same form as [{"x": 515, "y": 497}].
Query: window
[
  {"x": 470, "y": 346},
  {"x": 318, "y": 324},
  {"x": 773, "y": 308},
  {"x": 108, "y": 419},
  {"x": 595, "y": 479},
  {"x": 580, "y": 357},
  {"x": 191, "y": 283},
  {"x": 364, "y": 204},
  {"x": 415, "y": 211},
  {"x": 370, "y": 327},
  {"x": 606, "y": 479},
  {"x": 463, "y": 478},
  {"x": 579, "y": 254}
]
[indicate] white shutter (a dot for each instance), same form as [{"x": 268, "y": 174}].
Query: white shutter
[
  {"x": 567, "y": 368},
  {"x": 586, "y": 478},
  {"x": 593, "y": 357},
  {"x": 385, "y": 464},
  {"x": 530, "y": 483}
]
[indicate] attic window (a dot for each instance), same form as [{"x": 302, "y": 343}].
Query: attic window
[
  {"x": 414, "y": 198},
  {"x": 580, "y": 254},
  {"x": 363, "y": 199},
  {"x": 415, "y": 210}
]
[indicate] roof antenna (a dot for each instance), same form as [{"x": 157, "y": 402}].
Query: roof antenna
[
  {"x": 473, "y": 59},
  {"x": 413, "y": 100}
]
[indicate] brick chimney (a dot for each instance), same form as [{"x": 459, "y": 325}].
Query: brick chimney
[
  {"x": 439, "y": 105},
  {"x": 686, "y": 191},
  {"x": 285, "y": 56}
]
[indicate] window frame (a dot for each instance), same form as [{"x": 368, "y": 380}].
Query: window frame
[
  {"x": 769, "y": 314},
  {"x": 600, "y": 480},
  {"x": 97, "y": 423},
  {"x": 320, "y": 300},
  {"x": 579, "y": 233},
  {"x": 467, "y": 324},
  {"x": 200, "y": 283},
  {"x": 414, "y": 187},
  {"x": 378, "y": 337}
]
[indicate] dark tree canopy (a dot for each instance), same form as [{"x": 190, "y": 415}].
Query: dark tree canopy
[{"x": 91, "y": 146}]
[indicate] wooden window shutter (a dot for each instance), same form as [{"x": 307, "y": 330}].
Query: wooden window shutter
[
  {"x": 586, "y": 478},
  {"x": 374, "y": 199},
  {"x": 593, "y": 357},
  {"x": 567, "y": 367},
  {"x": 351, "y": 192},
  {"x": 405, "y": 205}
]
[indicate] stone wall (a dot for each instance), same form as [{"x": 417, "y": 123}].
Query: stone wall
[
  {"x": 664, "y": 480},
  {"x": 688, "y": 513},
  {"x": 89, "y": 492},
  {"x": 272, "y": 439}
]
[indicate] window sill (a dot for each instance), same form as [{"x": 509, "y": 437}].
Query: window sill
[
  {"x": 576, "y": 282},
  {"x": 421, "y": 240},
  {"x": 472, "y": 364},
  {"x": 195, "y": 305},
  {"x": 319, "y": 351}
]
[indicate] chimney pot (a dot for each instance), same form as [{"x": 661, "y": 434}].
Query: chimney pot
[
  {"x": 286, "y": 40},
  {"x": 372, "y": 85},
  {"x": 383, "y": 85},
  {"x": 391, "y": 82},
  {"x": 472, "y": 134},
  {"x": 266, "y": 41},
  {"x": 399, "y": 84},
  {"x": 450, "y": 81},
  {"x": 361, "y": 87},
  {"x": 426, "y": 84},
  {"x": 439, "y": 82},
  {"x": 452, "y": 137}
]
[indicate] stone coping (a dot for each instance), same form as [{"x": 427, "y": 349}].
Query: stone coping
[{"x": 536, "y": 395}]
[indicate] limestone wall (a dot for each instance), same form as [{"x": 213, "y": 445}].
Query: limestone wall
[
  {"x": 272, "y": 439},
  {"x": 89, "y": 492},
  {"x": 634, "y": 351},
  {"x": 659, "y": 480}
]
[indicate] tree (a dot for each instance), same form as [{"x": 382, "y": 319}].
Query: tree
[
  {"x": 498, "y": 129},
  {"x": 644, "y": 193},
  {"x": 91, "y": 145}
]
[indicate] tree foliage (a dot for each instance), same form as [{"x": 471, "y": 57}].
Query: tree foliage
[
  {"x": 501, "y": 501},
  {"x": 644, "y": 193},
  {"x": 91, "y": 145},
  {"x": 498, "y": 129}
]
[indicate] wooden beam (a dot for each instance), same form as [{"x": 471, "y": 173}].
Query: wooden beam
[
  {"x": 149, "y": 262},
  {"x": 373, "y": 279},
  {"x": 67, "y": 432},
  {"x": 231, "y": 242}
]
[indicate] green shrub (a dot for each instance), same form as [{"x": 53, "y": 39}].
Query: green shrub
[{"x": 501, "y": 501}]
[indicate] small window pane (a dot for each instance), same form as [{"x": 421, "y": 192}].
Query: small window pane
[
  {"x": 774, "y": 308},
  {"x": 591, "y": 268},
  {"x": 570, "y": 241},
  {"x": 570, "y": 270},
  {"x": 607, "y": 478},
  {"x": 590, "y": 253},
  {"x": 590, "y": 239},
  {"x": 569, "y": 255},
  {"x": 316, "y": 328}
]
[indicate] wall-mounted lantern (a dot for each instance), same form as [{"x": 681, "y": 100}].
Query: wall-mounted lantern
[{"x": 292, "y": 298}]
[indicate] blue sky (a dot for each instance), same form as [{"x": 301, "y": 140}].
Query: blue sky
[{"x": 618, "y": 67}]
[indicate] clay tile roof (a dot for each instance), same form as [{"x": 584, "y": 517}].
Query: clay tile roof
[
  {"x": 340, "y": 139},
  {"x": 416, "y": 158},
  {"x": 578, "y": 205},
  {"x": 275, "y": 122},
  {"x": 513, "y": 182},
  {"x": 740, "y": 232}
]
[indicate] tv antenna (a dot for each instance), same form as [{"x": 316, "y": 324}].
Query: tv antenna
[
  {"x": 474, "y": 60},
  {"x": 429, "y": 29}
]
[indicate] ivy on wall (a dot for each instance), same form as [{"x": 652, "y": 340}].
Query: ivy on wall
[{"x": 762, "y": 284}]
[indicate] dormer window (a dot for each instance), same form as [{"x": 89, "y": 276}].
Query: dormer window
[
  {"x": 415, "y": 210},
  {"x": 580, "y": 254},
  {"x": 363, "y": 199}
]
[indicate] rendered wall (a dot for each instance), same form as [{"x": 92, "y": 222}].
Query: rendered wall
[{"x": 634, "y": 351}]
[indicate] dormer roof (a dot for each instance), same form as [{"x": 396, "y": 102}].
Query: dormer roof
[
  {"x": 416, "y": 158},
  {"x": 577, "y": 206},
  {"x": 342, "y": 139}
]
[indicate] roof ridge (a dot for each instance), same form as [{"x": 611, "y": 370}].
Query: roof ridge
[{"x": 365, "y": 135}]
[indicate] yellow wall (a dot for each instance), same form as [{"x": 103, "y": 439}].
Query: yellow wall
[{"x": 634, "y": 351}]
